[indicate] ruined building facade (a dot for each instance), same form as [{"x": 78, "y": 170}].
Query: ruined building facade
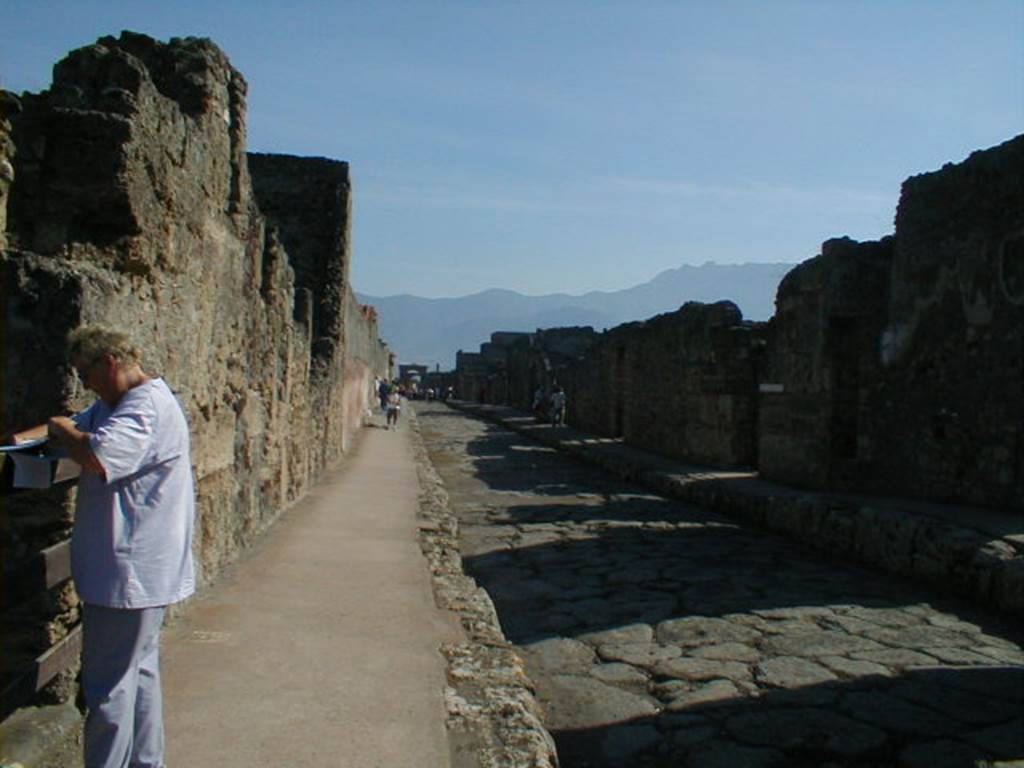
[
  {"x": 890, "y": 368},
  {"x": 128, "y": 199}
]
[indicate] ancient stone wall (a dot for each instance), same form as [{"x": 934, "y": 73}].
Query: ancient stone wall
[
  {"x": 471, "y": 375},
  {"x": 543, "y": 360},
  {"x": 682, "y": 384},
  {"x": 897, "y": 367},
  {"x": 821, "y": 364},
  {"x": 950, "y": 402},
  {"x": 132, "y": 206},
  {"x": 893, "y": 367}
]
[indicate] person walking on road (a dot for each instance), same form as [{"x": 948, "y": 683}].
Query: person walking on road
[
  {"x": 558, "y": 403},
  {"x": 394, "y": 409}
]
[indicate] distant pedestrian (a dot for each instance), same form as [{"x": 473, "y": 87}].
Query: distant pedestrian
[
  {"x": 383, "y": 390},
  {"x": 558, "y": 403},
  {"x": 394, "y": 408}
]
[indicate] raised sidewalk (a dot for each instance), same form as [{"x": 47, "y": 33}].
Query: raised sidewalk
[
  {"x": 319, "y": 648},
  {"x": 968, "y": 551}
]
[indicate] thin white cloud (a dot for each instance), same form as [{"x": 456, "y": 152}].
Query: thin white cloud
[{"x": 780, "y": 193}]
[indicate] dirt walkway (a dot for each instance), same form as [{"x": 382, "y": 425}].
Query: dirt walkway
[{"x": 321, "y": 647}]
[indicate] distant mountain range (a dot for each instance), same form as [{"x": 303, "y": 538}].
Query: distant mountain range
[{"x": 430, "y": 331}]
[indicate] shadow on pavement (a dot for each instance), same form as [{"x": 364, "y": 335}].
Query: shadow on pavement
[{"x": 933, "y": 718}]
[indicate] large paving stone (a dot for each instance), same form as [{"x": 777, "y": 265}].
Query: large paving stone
[
  {"x": 800, "y": 613},
  {"x": 621, "y": 744},
  {"x": 896, "y": 658},
  {"x": 817, "y": 729},
  {"x": 638, "y": 654},
  {"x": 702, "y": 669},
  {"x": 716, "y": 693},
  {"x": 938, "y": 691},
  {"x": 633, "y": 633},
  {"x": 699, "y": 630},
  {"x": 961, "y": 657},
  {"x": 622, "y": 675},
  {"x": 1006, "y": 740},
  {"x": 822, "y": 643},
  {"x": 690, "y": 737},
  {"x": 852, "y": 667},
  {"x": 559, "y": 655},
  {"x": 941, "y": 754},
  {"x": 889, "y": 616},
  {"x": 726, "y": 652},
  {"x": 1001, "y": 682},
  {"x": 573, "y": 702},
  {"x": 897, "y": 715},
  {"x": 791, "y": 672},
  {"x": 727, "y": 754},
  {"x": 923, "y": 636}
]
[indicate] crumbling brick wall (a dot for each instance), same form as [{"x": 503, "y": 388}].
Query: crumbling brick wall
[{"x": 131, "y": 205}]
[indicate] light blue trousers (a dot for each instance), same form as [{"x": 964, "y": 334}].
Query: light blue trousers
[{"x": 124, "y": 725}]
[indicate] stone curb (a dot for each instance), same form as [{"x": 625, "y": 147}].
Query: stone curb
[
  {"x": 493, "y": 718},
  {"x": 985, "y": 566}
]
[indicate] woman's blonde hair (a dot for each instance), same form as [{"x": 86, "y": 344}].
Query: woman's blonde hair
[{"x": 91, "y": 342}]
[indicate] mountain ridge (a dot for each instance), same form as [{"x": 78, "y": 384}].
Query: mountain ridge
[{"x": 429, "y": 331}]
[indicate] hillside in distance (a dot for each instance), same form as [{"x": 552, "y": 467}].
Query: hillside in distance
[{"x": 430, "y": 331}]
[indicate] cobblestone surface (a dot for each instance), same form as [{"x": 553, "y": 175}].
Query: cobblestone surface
[{"x": 661, "y": 634}]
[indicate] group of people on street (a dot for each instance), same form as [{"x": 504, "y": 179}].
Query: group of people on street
[{"x": 550, "y": 407}]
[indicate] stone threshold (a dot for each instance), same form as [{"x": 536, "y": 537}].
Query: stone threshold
[{"x": 980, "y": 557}]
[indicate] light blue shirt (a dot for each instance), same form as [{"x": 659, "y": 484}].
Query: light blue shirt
[{"x": 131, "y": 546}]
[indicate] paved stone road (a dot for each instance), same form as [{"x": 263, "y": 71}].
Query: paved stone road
[{"x": 661, "y": 634}]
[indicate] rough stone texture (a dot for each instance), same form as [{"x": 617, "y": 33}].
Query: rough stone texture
[
  {"x": 511, "y": 366},
  {"x": 823, "y": 355},
  {"x": 761, "y": 651},
  {"x": 10, "y": 105},
  {"x": 132, "y": 206},
  {"x": 878, "y": 348},
  {"x": 867, "y": 377},
  {"x": 956, "y": 307},
  {"x": 493, "y": 718},
  {"x": 683, "y": 384}
]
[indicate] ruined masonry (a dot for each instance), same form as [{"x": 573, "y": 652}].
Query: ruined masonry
[
  {"x": 893, "y": 368},
  {"x": 127, "y": 198}
]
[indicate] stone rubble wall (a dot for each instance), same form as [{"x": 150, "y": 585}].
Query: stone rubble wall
[
  {"x": 682, "y": 384},
  {"x": 131, "y": 205},
  {"x": 820, "y": 363},
  {"x": 950, "y": 404}
]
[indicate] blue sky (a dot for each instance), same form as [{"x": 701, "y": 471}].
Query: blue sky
[{"x": 556, "y": 145}]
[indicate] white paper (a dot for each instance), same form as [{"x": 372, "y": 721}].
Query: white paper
[{"x": 32, "y": 471}]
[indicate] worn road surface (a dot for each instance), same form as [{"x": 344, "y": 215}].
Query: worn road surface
[{"x": 662, "y": 634}]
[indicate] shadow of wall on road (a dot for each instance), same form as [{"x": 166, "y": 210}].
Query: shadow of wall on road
[
  {"x": 617, "y": 576},
  {"x": 934, "y": 718},
  {"x": 633, "y": 557}
]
